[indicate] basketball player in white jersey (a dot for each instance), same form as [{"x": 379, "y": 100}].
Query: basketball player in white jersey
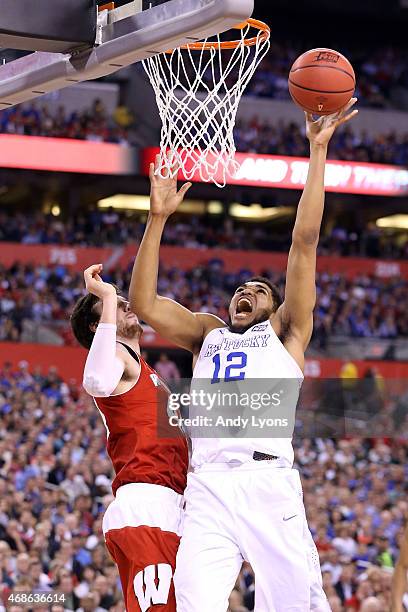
[{"x": 244, "y": 501}]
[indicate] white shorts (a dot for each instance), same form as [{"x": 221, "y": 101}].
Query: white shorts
[
  {"x": 253, "y": 512},
  {"x": 142, "y": 533}
]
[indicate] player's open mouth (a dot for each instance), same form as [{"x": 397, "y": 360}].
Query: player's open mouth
[{"x": 244, "y": 306}]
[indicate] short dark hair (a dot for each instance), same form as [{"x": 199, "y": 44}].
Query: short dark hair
[
  {"x": 82, "y": 317},
  {"x": 276, "y": 294}
]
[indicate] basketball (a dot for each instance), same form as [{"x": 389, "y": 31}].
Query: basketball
[{"x": 322, "y": 81}]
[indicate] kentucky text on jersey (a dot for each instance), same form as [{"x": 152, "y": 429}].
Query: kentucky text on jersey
[{"x": 228, "y": 344}]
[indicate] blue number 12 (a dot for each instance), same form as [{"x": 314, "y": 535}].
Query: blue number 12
[{"x": 242, "y": 362}]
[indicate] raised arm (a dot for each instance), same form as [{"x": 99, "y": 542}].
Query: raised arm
[
  {"x": 107, "y": 361},
  {"x": 167, "y": 317},
  {"x": 300, "y": 296},
  {"x": 399, "y": 579}
]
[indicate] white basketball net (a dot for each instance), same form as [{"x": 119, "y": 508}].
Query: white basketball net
[{"x": 198, "y": 93}]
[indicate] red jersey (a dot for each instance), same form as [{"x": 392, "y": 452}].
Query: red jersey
[{"x": 142, "y": 445}]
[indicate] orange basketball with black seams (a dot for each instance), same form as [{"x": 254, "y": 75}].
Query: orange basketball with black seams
[{"x": 322, "y": 81}]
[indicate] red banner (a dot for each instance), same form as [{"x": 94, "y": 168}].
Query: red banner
[
  {"x": 70, "y": 361},
  {"x": 291, "y": 173},
  {"x": 70, "y": 155},
  {"x": 65, "y": 155},
  {"x": 78, "y": 258}
]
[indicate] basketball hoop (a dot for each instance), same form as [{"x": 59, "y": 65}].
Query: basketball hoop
[{"x": 198, "y": 89}]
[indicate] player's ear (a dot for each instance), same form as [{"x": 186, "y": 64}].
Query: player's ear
[{"x": 93, "y": 327}]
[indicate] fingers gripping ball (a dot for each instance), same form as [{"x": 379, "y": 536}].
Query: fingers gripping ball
[{"x": 322, "y": 81}]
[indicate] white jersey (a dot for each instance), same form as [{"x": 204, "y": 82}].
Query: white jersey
[{"x": 257, "y": 354}]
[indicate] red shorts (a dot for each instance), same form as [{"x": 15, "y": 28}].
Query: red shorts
[{"x": 142, "y": 529}]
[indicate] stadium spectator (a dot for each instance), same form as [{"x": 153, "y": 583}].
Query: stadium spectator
[
  {"x": 345, "y": 587},
  {"x": 167, "y": 369}
]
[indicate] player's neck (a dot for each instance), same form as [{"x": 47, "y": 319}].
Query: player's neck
[{"x": 133, "y": 343}]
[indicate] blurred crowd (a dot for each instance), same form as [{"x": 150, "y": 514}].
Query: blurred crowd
[
  {"x": 55, "y": 485},
  {"x": 251, "y": 136},
  {"x": 111, "y": 227},
  {"x": 94, "y": 124},
  {"x": 380, "y": 73},
  {"x": 355, "y": 496},
  {"x": 366, "y": 307},
  {"x": 264, "y": 137}
]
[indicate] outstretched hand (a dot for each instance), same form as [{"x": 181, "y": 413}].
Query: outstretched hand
[
  {"x": 320, "y": 132},
  {"x": 95, "y": 284},
  {"x": 164, "y": 197}
]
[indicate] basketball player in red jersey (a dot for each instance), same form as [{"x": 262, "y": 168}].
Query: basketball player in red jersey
[{"x": 142, "y": 525}]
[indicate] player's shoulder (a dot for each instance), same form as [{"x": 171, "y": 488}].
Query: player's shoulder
[{"x": 209, "y": 323}]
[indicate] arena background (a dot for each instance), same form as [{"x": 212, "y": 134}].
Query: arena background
[{"x": 73, "y": 191}]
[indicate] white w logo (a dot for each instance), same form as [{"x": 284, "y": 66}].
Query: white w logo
[
  {"x": 146, "y": 590},
  {"x": 155, "y": 380}
]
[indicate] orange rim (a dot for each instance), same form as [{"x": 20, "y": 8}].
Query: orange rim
[{"x": 233, "y": 44}]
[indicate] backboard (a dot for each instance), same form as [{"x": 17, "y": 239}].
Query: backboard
[
  {"x": 55, "y": 27},
  {"x": 126, "y": 34}
]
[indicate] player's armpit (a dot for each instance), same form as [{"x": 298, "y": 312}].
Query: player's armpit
[
  {"x": 179, "y": 325},
  {"x": 209, "y": 322},
  {"x": 295, "y": 347},
  {"x": 131, "y": 372},
  {"x": 296, "y": 312}
]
